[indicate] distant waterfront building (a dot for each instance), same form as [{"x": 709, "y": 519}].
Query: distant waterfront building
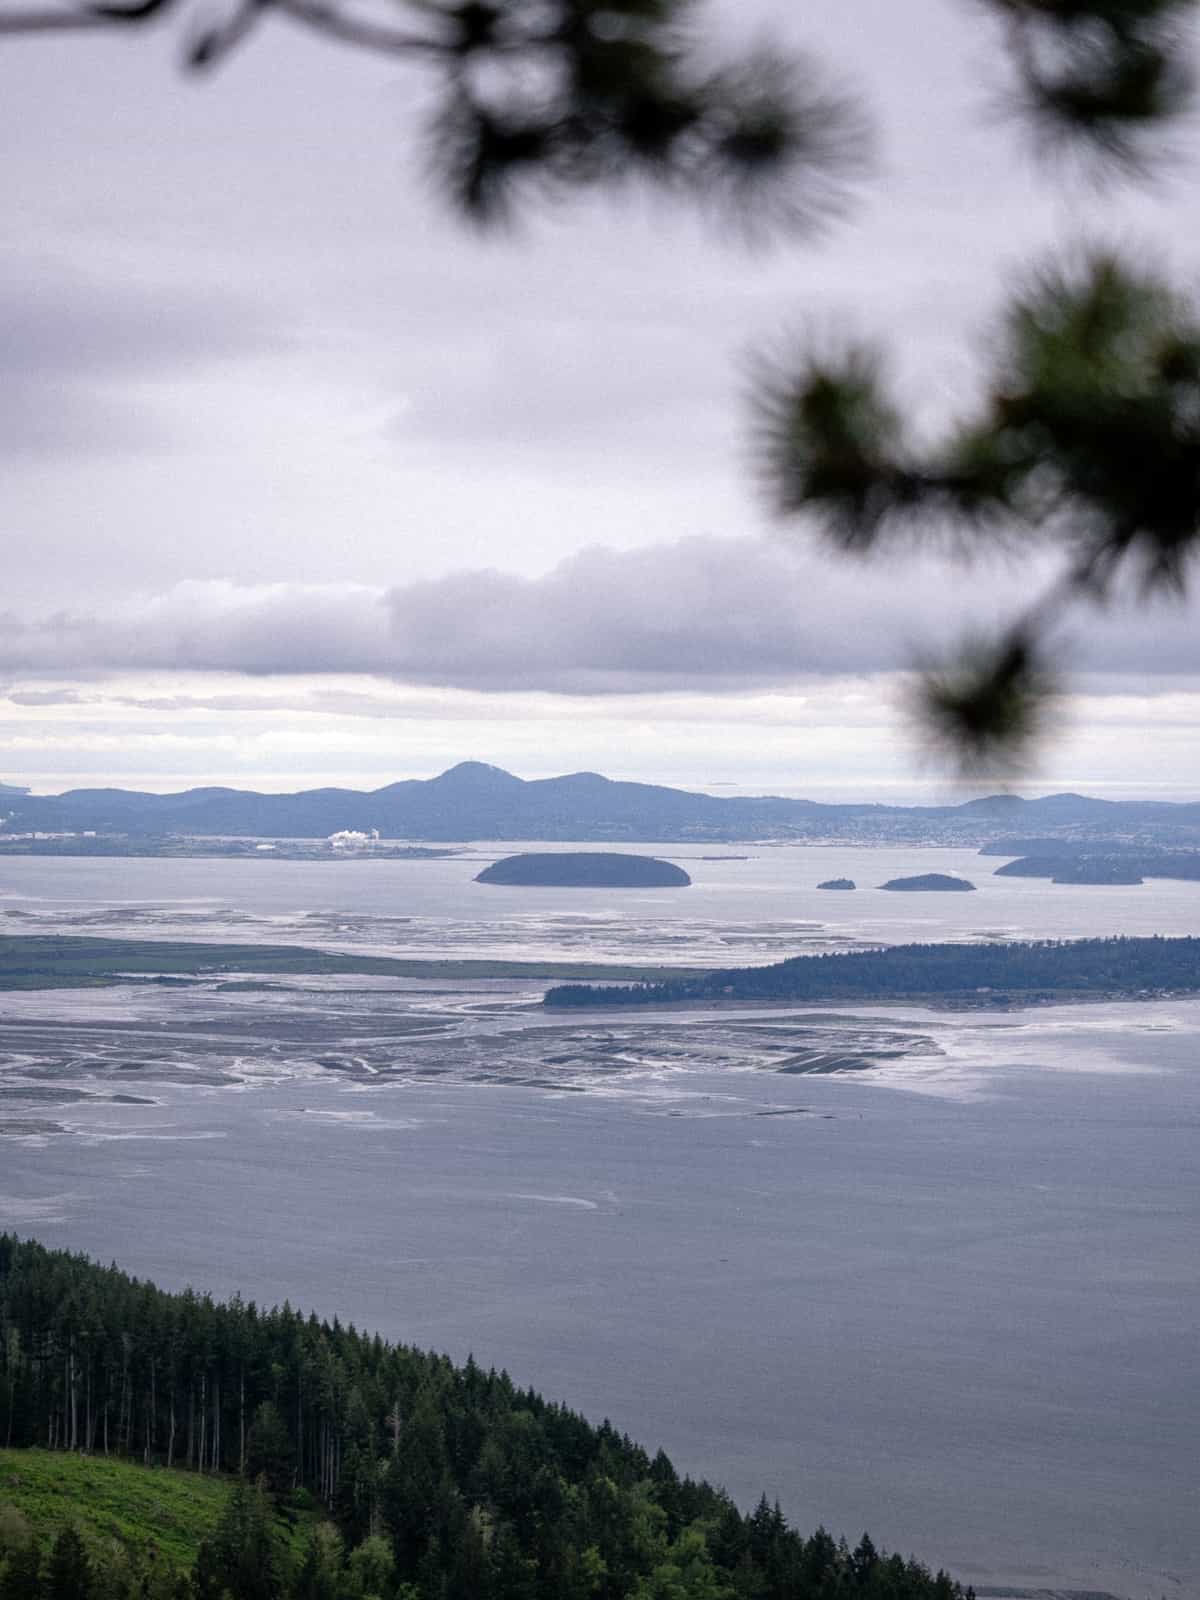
[{"x": 352, "y": 839}]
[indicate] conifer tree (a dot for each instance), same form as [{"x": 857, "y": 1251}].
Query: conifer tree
[
  {"x": 21, "y": 1572},
  {"x": 68, "y": 1571},
  {"x": 242, "y": 1557}
]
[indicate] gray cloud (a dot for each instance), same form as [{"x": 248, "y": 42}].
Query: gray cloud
[
  {"x": 701, "y": 615},
  {"x": 75, "y": 342},
  {"x": 574, "y": 381},
  {"x": 44, "y": 697}
]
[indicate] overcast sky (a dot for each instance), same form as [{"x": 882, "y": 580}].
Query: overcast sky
[{"x": 301, "y": 482}]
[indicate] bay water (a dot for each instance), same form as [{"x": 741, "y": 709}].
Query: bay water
[{"x": 950, "y": 1297}]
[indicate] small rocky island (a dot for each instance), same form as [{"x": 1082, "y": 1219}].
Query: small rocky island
[
  {"x": 838, "y": 883},
  {"x": 585, "y": 869},
  {"x": 937, "y": 882}
]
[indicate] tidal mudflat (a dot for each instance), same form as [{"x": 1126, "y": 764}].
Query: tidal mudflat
[
  {"x": 61, "y": 1048},
  {"x": 930, "y": 1273}
]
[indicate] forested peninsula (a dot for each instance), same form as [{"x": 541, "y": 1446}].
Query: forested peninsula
[
  {"x": 964, "y": 974},
  {"x": 354, "y": 1468},
  {"x": 1111, "y": 863}
]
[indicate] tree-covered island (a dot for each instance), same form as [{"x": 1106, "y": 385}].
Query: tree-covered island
[
  {"x": 585, "y": 869},
  {"x": 929, "y": 883},
  {"x": 346, "y": 1468},
  {"x": 1033, "y": 972},
  {"x": 1095, "y": 861}
]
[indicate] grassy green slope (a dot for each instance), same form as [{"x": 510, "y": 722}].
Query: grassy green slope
[{"x": 108, "y": 1499}]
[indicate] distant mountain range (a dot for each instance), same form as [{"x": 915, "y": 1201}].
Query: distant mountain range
[{"x": 476, "y": 801}]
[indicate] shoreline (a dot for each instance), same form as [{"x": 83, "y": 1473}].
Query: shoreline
[
  {"x": 923, "y": 1002},
  {"x": 78, "y": 961},
  {"x": 32, "y": 963}
]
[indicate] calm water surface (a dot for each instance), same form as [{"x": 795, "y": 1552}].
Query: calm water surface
[
  {"x": 761, "y": 908},
  {"x": 951, "y": 1298}
]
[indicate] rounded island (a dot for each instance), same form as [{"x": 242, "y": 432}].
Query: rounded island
[
  {"x": 930, "y": 881},
  {"x": 585, "y": 869},
  {"x": 838, "y": 883}
]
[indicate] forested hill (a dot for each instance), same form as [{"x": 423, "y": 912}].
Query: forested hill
[
  {"x": 440, "y": 1482},
  {"x": 984, "y": 974},
  {"x": 475, "y": 801}
]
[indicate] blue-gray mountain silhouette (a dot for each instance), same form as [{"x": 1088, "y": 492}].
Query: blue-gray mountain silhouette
[{"x": 477, "y": 801}]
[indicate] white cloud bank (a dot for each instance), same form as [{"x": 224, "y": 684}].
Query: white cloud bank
[{"x": 703, "y": 615}]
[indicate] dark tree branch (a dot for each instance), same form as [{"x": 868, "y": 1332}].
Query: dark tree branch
[
  {"x": 211, "y": 46},
  {"x": 336, "y": 23},
  {"x": 34, "y": 22}
]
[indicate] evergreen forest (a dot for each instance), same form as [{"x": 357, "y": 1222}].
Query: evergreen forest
[
  {"x": 984, "y": 974},
  {"x": 359, "y": 1468}
]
